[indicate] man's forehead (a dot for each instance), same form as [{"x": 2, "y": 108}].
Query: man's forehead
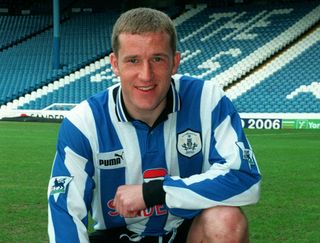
[
  {"x": 142, "y": 34},
  {"x": 156, "y": 41}
]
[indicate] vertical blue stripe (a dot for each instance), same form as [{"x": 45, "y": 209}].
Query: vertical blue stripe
[
  {"x": 223, "y": 109},
  {"x": 60, "y": 220},
  {"x": 219, "y": 114},
  {"x": 188, "y": 118},
  {"x": 151, "y": 142},
  {"x": 110, "y": 179},
  {"x": 58, "y": 209},
  {"x": 70, "y": 136}
]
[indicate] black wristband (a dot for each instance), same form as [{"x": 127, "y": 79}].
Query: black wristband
[{"x": 153, "y": 193}]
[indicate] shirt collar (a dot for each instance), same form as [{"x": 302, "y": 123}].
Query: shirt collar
[{"x": 173, "y": 104}]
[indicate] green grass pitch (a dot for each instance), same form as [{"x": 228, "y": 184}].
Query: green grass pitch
[{"x": 289, "y": 209}]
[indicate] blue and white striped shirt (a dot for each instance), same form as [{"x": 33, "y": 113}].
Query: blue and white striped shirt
[{"x": 199, "y": 149}]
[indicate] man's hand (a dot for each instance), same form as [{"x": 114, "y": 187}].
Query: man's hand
[{"x": 128, "y": 200}]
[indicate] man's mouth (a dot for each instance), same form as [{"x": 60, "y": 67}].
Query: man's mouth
[{"x": 146, "y": 88}]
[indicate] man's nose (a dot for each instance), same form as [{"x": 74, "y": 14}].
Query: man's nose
[{"x": 146, "y": 72}]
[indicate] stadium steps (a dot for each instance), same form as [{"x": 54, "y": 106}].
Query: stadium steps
[
  {"x": 262, "y": 55},
  {"x": 300, "y": 38},
  {"x": 288, "y": 83},
  {"x": 64, "y": 88},
  {"x": 70, "y": 62},
  {"x": 18, "y": 28}
]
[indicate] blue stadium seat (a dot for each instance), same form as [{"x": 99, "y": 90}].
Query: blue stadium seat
[{"x": 238, "y": 39}]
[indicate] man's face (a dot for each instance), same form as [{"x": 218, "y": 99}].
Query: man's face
[{"x": 145, "y": 63}]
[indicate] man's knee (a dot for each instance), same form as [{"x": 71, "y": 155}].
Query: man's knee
[
  {"x": 222, "y": 224},
  {"x": 223, "y": 216}
]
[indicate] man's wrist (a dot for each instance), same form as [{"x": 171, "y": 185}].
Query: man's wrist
[{"x": 153, "y": 193}]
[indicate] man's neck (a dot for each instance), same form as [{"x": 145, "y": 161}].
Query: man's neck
[{"x": 148, "y": 117}]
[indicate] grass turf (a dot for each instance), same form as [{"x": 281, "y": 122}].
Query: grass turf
[
  {"x": 288, "y": 211},
  {"x": 289, "y": 208}
]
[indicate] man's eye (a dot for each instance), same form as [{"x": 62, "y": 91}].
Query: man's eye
[
  {"x": 133, "y": 60},
  {"x": 157, "y": 59}
]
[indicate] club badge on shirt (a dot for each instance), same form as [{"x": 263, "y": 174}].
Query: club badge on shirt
[{"x": 189, "y": 143}]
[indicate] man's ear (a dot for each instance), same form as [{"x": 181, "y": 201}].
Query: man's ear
[{"x": 114, "y": 63}]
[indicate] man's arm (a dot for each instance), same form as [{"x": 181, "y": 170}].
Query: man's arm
[
  {"x": 131, "y": 199},
  {"x": 68, "y": 201},
  {"x": 232, "y": 177},
  {"x": 232, "y": 180}
]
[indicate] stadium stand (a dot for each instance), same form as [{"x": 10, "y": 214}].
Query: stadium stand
[
  {"x": 223, "y": 45},
  {"x": 15, "y": 29},
  {"x": 27, "y": 66},
  {"x": 291, "y": 83}
]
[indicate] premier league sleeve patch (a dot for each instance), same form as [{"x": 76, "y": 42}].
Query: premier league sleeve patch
[
  {"x": 189, "y": 143},
  {"x": 59, "y": 185},
  {"x": 247, "y": 154}
]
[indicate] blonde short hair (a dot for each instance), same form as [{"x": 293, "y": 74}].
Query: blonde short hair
[{"x": 143, "y": 20}]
